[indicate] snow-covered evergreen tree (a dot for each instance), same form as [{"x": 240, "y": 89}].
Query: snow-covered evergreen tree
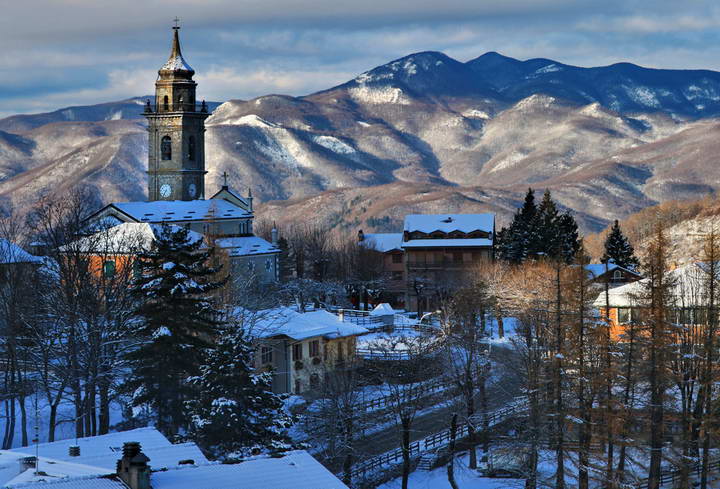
[
  {"x": 515, "y": 242},
  {"x": 619, "y": 250},
  {"x": 177, "y": 319},
  {"x": 234, "y": 413}
]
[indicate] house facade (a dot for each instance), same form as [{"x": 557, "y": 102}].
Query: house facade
[
  {"x": 432, "y": 251},
  {"x": 300, "y": 348}
]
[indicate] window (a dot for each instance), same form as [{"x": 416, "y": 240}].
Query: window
[
  {"x": 397, "y": 258},
  {"x": 251, "y": 266},
  {"x": 341, "y": 352},
  {"x": 268, "y": 264},
  {"x": 191, "y": 148},
  {"x": 315, "y": 348},
  {"x": 624, "y": 316},
  {"x": 617, "y": 275},
  {"x": 166, "y": 103},
  {"x": 109, "y": 269},
  {"x": 166, "y": 148},
  {"x": 297, "y": 351},
  {"x": 266, "y": 354}
]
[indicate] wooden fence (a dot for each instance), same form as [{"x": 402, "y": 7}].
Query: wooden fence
[{"x": 410, "y": 394}]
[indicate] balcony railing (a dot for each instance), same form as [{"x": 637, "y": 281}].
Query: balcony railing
[{"x": 183, "y": 107}]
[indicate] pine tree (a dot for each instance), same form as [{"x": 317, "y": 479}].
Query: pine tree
[
  {"x": 177, "y": 320},
  {"x": 516, "y": 241},
  {"x": 547, "y": 237},
  {"x": 234, "y": 413},
  {"x": 569, "y": 237},
  {"x": 619, "y": 250}
]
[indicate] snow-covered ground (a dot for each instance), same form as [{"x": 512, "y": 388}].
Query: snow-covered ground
[{"x": 465, "y": 478}]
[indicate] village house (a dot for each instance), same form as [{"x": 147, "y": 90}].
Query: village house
[
  {"x": 432, "y": 250},
  {"x": 628, "y": 303},
  {"x": 300, "y": 348},
  {"x": 612, "y": 274}
]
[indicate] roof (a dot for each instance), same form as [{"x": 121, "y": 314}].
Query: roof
[
  {"x": 176, "y": 62},
  {"x": 427, "y": 223},
  {"x": 383, "y": 309},
  {"x": 128, "y": 237},
  {"x": 77, "y": 483},
  {"x": 11, "y": 253},
  {"x": 247, "y": 246},
  {"x": 383, "y": 242},
  {"x": 448, "y": 243},
  {"x": 105, "y": 450},
  {"x": 299, "y": 326},
  {"x": 686, "y": 292},
  {"x": 598, "y": 269},
  {"x": 51, "y": 469},
  {"x": 296, "y": 470},
  {"x": 178, "y": 210}
]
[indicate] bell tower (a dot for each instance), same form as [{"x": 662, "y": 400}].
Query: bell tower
[{"x": 176, "y": 130}]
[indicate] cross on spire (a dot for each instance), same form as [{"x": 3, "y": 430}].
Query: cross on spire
[
  {"x": 225, "y": 175},
  {"x": 177, "y": 23}
]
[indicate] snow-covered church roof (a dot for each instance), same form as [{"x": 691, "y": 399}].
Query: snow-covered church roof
[
  {"x": 128, "y": 237},
  {"x": 176, "y": 62},
  {"x": 299, "y": 326},
  {"x": 177, "y": 210}
]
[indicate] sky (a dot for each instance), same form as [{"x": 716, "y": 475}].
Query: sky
[{"x": 59, "y": 53}]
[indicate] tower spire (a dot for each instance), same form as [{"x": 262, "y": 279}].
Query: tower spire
[{"x": 176, "y": 64}]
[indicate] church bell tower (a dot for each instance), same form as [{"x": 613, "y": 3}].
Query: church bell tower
[{"x": 176, "y": 129}]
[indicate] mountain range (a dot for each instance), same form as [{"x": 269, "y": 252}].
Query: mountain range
[{"x": 424, "y": 133}]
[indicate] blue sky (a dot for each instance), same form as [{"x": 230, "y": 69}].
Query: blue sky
[{"x": 58, "y": 53}]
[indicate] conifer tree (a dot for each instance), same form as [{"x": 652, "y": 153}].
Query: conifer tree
[
  {"x": 516, "y": 241},
  {"x": 177, "y": 320},
  {"x": 619, "y": 250},
  {"x": 234, "y": 413}
]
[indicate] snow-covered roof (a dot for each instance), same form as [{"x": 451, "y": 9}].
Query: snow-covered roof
[
  {"x": 11, "y": 473},
  {"x": 128, "y": 237},
  {"x": 383, "y": 309},
  {"x": 383, "y": 242},
  {"x": 299, "y": 326},
  {"x": 466, "y": 223},
  {"x": 77, "y": 483},
  {"x": 449, "y": 243},
  {"x": 179, "y": 210},
  {"x": 105, "y": 450},
  {"x": 176, "y": 62},
  {"x": 597, "y": 269},
  {"x": 11, "y": 253},
  {"x": 297, "y": 470},
  {"x": 247, "y": 246},
  {"x": 688, "y": 289}
]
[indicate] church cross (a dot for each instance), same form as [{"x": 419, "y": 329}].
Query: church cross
[
  {"x": 225, "y": 175},
  {"x": 177, "y": 23}
]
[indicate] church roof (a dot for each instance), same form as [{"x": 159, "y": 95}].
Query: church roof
[
  {"x": 178, "y": 210},
  {"x": 176, "y": 62}
]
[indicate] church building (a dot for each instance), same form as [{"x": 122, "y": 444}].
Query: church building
[{"x": 176, "y": 177}]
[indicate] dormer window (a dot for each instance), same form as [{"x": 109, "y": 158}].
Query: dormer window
[{"x": 617, "y": 275}]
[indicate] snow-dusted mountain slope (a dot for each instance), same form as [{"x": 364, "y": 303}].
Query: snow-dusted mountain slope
[{"x": 463, "y": 136}]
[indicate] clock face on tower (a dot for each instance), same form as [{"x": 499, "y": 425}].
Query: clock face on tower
[
  {"x": 165, "y": 190},
  {"x": 192, "y": 190}
]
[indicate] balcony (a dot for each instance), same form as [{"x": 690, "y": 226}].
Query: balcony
[{"x": 166, "y": 108}]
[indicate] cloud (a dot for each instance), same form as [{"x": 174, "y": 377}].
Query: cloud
[{"x": 106, "y": 50}]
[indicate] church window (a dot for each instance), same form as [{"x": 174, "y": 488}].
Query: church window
[
  {"x": 166, "y": 148},
  {"x": 191, "y": 148},
  {"x": 166, "y": 103},
  {"x": 180, "y": 102}
]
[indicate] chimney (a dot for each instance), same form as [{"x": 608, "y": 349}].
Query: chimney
[
  {"x": 274, "y": 234},
  {"x": 133, "y": 467},
  {"x": 74, "y": 451},
  {"x": 361, "y": 236}
]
